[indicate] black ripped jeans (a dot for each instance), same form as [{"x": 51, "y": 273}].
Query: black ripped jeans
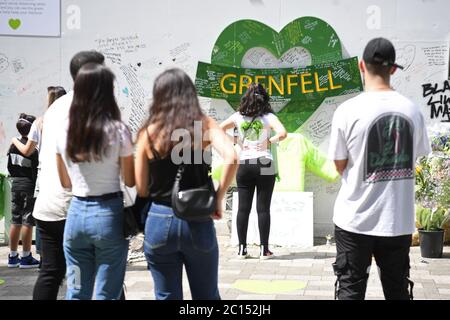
[
  {"x": 354, "y": 258},
  {"x": 260, "y": 174}
]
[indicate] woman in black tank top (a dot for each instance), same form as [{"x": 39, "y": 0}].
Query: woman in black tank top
[{"x": 169, "y": 138}]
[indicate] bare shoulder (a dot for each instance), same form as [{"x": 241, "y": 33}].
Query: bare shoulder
[{"x": 142, "y": 136}]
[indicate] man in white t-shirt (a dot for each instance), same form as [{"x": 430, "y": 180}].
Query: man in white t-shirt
[
  {"x": 53, "y": 201},
  {"x": 375, "y": 140}
]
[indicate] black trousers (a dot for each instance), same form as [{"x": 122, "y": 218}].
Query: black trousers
[
  {"x": 354, "y": 258},
  {"x": 258, "y": 174},
  {"x": 53, "y": 268}
]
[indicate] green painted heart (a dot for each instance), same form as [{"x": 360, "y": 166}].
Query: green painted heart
[
  {"x": 306, "y": 41},
  {"x": 269, "y": 287},
  {"x": 14, "y": 23}
]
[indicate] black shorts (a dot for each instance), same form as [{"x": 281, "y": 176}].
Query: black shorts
[{"x": 22, "y": 204}]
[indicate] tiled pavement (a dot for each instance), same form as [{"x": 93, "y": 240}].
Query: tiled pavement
[{"x": 309, "y": 267}]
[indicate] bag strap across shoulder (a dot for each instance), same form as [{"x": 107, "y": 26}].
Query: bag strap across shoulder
[{"x": 180, "y": 171}]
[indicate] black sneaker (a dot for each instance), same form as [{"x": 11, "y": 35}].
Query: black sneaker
[
  {"x": 242, "y": 252},
  {"x": 265, "y": 254}
]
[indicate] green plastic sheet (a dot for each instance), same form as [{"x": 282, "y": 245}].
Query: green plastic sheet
[{"x": 293, "y": 157}]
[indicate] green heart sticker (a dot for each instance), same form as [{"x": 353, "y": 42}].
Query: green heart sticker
[
  {"x": 300, "y": 66},
  {"x": 14, "y": 23}
]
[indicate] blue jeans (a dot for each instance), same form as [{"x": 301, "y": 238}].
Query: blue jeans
[
  {"x": 171, "y": 243},
  {"x": 95, "y": 249}
]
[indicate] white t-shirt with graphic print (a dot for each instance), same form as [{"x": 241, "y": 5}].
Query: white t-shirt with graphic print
[
  {"x": 381, "y": 134},
  {"x": 254, "y": 139}
]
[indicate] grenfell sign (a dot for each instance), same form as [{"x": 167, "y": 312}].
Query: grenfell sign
[
  {"x": 300, "y": 84},
  {"x": 299, "y": 66}
]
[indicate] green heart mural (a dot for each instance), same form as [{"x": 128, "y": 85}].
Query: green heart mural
[
  {"x": 14, "y": 23},
  {"x": 310, "y": 33},
  {"x": 308, "y": 45}
]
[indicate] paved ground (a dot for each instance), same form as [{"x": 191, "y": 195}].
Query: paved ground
[{"x": 294, "y": 274}]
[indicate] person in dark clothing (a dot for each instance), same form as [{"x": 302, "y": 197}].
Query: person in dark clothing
[
  {"x": 255, "y": 121},
  {"x": 374, "y": 149},
  {"x": 23, "y": 172}
]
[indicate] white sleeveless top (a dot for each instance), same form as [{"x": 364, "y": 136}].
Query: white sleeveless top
[{"x": 254, "y": 138}]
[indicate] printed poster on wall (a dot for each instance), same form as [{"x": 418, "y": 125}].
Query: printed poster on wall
[{"x": 40, "y": 18}]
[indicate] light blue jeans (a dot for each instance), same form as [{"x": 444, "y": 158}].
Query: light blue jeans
[
  {"x": 95, "y": 249},
  {"x": 171, "y": 243}
]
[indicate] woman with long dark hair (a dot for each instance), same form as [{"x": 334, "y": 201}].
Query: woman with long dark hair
[
  {"x": 91, "y": 156},
  {"x": 171, "y": 242},
  {"x": 255, "y": 122}
]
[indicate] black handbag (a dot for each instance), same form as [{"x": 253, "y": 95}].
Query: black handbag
[{"x": 196, "y": 204}]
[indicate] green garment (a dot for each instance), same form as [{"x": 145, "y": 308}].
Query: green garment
[
  {"x": 296, "y": 154},
  {"x": 293, "y": 157}
]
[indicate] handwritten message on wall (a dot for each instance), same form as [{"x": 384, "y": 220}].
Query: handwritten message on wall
[{"x": 437, "y": 97}]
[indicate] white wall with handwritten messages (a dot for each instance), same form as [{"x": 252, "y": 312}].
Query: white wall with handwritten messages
[
  {"x": 291, "y": 220},
  {"x": 141, "y": 38}
]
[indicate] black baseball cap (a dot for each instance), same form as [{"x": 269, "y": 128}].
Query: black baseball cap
[{"x": 380, "y": 51}]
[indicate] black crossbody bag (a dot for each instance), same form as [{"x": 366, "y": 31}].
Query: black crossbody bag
[{"x": 196, "y": 204}]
